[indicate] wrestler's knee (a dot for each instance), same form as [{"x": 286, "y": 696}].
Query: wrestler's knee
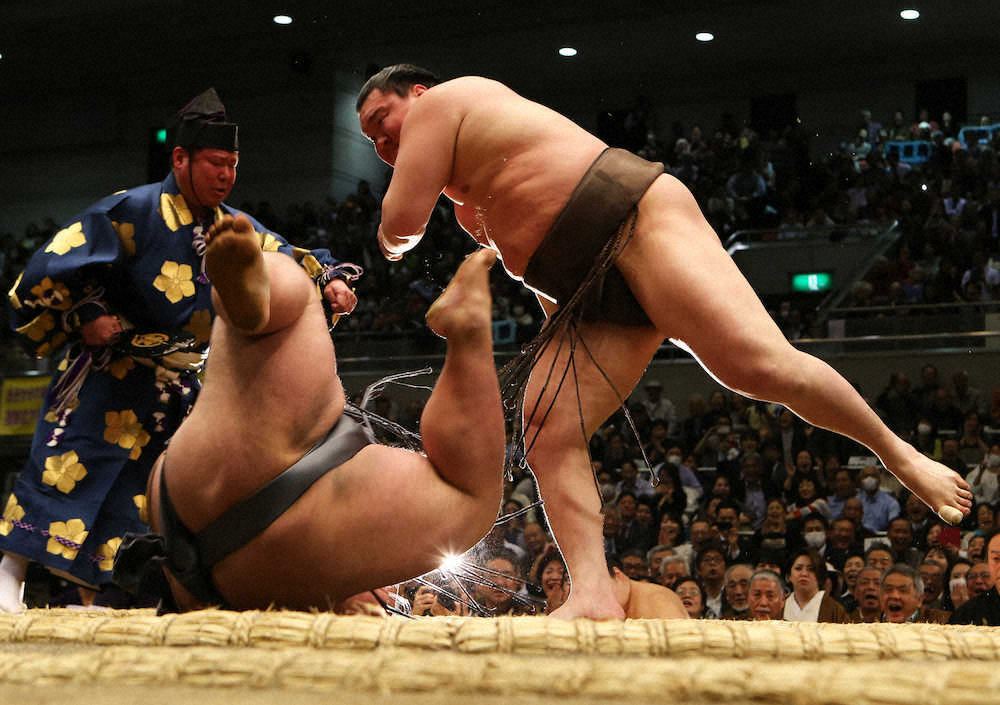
[{"x": 772, "y": 374}]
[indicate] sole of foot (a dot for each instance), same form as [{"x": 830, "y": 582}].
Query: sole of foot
[
  {"x": 464, "y": 306},
  {"x": 235, "y": 264}
]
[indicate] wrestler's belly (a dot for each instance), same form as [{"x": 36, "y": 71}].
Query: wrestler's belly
[
  {"x": 513, "y": 204},
  {"x": 290, "y": 564}
]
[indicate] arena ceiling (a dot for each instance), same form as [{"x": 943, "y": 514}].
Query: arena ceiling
[{"x": 59, "y": 42}]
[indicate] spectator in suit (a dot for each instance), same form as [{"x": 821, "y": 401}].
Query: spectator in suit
[
  {"x": 900, "y": 535},
  {"x": 902, "y": 598},
  {"x": 985, "y": 607},
  {"x": 932, "y": 575},
  {"x": 710, "y": 568},
  {"x": 867, "y": 596}
]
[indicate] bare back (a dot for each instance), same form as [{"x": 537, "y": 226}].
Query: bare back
[{"x": 516, "y": 163}]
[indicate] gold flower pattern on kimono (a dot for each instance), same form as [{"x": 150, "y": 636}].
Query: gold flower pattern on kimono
[
  {"x": 66, "y": 239},
  {"x": 74, "y": 531},
  {"x": 174, "y": 211},
  {"x": 174, "y": 280},
  {"x": 64, "y": 471},
  {"x": 106, "y": 552},
  {"x": 121, "y": 367},
  {"x": 124, "y": 429},
  {"x": 52, "y": 295},
  {"x": 54, "y": 344},
  {"x": 200, "y": 325},
  {"x": 38, "y": 327},
  {"x": 126, "y": 234},
  {"x": 143, "y": 507},
  {"x": 11, "y": 513},
  {"x": 269, "y": 243}
]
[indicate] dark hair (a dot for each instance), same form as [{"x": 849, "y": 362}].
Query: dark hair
[
  {"x": 635, "y": 552},
  {"x": 710, "y": 548},
  {"x": 701, "y": 588},
  {"x": 812, "y": 477},
  {"x": 818, "y": 564},
  {"x": 727, "y": 504},
  {"x": 507, "y": 555},
  {"x": 816, "y": 516},
  {"x": 878, "y": 546},
  {"x": 900, "y": 518},
  {"x": 549, "y": 555},
  {"x": 398, "y": 78},
  {"x": 990, "y": 535}
]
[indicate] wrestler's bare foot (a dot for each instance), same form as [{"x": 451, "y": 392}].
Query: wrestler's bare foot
[
  {"x": 599, "y": 603},
  {"x": 940, "y": 488},
  {"x": 463, "y": 309},
  {"x": 235, "y": 264}
]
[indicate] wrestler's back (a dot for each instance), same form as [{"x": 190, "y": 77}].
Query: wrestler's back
[
  {"x": 516, "y": 164},
  {"x": 652, "y": 601}
]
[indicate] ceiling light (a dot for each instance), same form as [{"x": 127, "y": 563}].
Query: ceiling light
[
  {"x": 909, "y": 14},
  {"x": 282, "y": 19},
  {"x": 567, "y": 51},
  {"x": 704, "y": 36}
]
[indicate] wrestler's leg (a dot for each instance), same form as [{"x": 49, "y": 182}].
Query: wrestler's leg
[
  {"x": 692, "y": 290},
  {"x": 389, "y": 514},
  {"x": 559, "y": 455},
  {"x": 13, "y": 569}
]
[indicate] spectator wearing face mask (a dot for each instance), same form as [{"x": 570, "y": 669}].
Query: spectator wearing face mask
[
  {"x": 814, "y": 534},
  {"x": 880, "y": 507},
  {"x": 983, "y": 480},
  {"x": 689, "y": 479}
]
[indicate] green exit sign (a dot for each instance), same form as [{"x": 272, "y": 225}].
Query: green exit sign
[
  {"x": 161, "y": 136},
  {"x": 813, "y": 281}
]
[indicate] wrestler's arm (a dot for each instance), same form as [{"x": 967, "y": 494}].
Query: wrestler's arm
[{"x": 422, "y": 171}]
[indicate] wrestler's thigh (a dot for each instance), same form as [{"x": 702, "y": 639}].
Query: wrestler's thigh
[
  {"x": 688, "y": 284},
  {"x": 382, "y": 517},
  {"x": 609, "y": 360}
]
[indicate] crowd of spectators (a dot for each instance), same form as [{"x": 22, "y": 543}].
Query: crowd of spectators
[
  {"x": 749, "y": 513},
  {"x": 739, "y": 506},
  {"x": 947, "y": 209}
]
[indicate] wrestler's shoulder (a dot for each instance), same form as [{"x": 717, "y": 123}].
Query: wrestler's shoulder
[{"x": 469, "y": 85}]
